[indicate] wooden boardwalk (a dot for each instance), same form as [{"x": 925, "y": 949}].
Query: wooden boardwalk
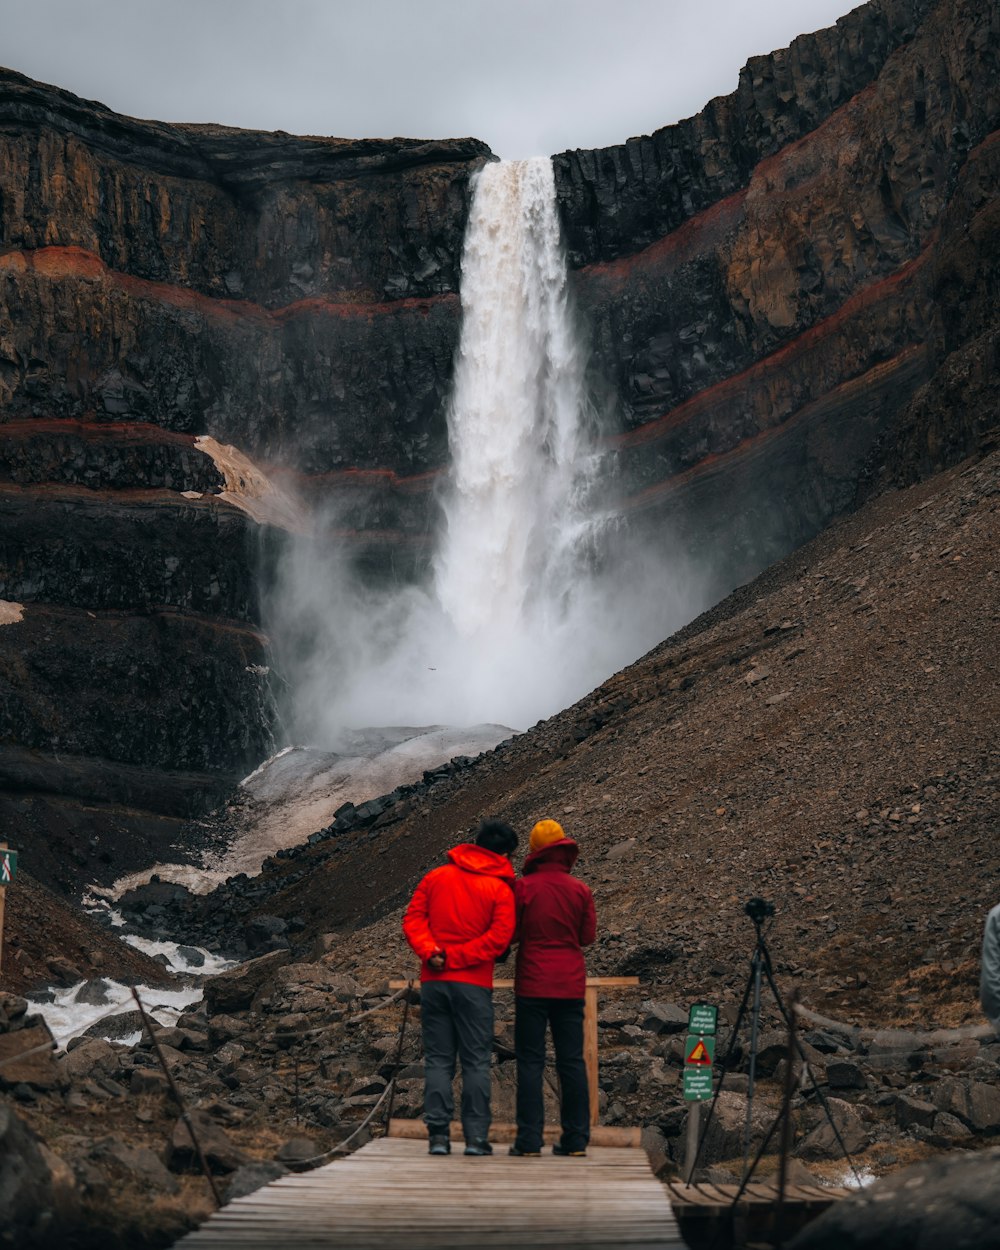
[{"x": 392, "y": 1194}]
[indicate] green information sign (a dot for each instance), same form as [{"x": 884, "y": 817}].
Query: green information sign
[
  {"x": 699, "y": 1052},
  {"x": 697, "y": 1084},
  {"x": 8, "y": 867},
  {"x": 702, "y": 1018}
]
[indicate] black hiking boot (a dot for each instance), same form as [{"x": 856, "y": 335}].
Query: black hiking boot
[
  {"x": 481, "y": 1147},
  {"x": 439, "y": 1142},
  {"x": 517, "y": 1151},
  {"x": 560, "y": 1149}
]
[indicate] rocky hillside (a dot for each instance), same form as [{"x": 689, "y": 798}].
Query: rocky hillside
[{"x": 824, "y": 738}]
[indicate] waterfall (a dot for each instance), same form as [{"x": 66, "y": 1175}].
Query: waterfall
[
  {"x": 515, "y": 519},
  {"x": 519, "y": 618}
]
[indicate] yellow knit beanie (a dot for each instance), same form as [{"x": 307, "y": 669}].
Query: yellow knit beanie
[{"x": 545, "y": 833}]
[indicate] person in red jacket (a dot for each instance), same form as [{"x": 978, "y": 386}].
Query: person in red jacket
[
  {"x": 555, "y": 920},
  {"x": 461, "y": 917}
]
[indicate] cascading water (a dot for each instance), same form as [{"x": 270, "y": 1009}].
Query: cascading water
[
  {"x": 514, "y": 511},
  {"x": 519, "y": 619}
]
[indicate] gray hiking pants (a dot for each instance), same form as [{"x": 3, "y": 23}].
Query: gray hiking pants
[{"x": 457, "y": 1020}]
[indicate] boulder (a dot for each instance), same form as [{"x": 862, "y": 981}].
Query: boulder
[
  {"x": 724, "y": 1135},
  {"x": 973, "y": 1102},
  {"x": 94, "y": 993},
  {"x": 297, "y": 1150},
  {"x": 17, "y": 1065},
  {"x": 221, "y": 1154},
  {"x": 664, "y": 1018},
  {"x": 913, "y": 1111},
  {"x": 250, "y": 1177},
  {"x": 822, "y": 1142},
  {"x": 35, "y": 1188},
  {"x": 952, "y": 1200},
  {"x": 845, "y": 1074},
  {"x": 135, "y": 1164},
  {"x": 13, "y": 1010},
  {"x": 235, "y": 989},
  {"x": 92, "y": 1057}
]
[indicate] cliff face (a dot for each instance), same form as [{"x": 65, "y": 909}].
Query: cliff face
[
  {"x": 792, "y": 301},
  {"x": 781, "y": 288},
  {"x": 294, "y": 297}
]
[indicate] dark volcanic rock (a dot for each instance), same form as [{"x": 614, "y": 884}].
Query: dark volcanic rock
[{"x": 952, "y": 1200}]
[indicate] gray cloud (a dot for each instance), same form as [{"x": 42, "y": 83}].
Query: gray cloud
[{"x": 528, "y": 76}]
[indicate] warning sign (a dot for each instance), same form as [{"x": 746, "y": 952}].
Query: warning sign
[
  {"x": 8, "y": 867},
  {"x": 699, "y": 1051},
  {"x": 697, "y": 1084}
]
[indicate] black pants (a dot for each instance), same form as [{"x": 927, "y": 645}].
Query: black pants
[
  {"x": 565, "y": 1016},
  {"x": 457, "y": 1019}
]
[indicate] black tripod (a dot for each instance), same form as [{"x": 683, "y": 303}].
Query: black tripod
[{"x": 760, "y": 969}]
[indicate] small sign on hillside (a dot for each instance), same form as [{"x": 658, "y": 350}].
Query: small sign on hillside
[{"x": 8, "y": 867}]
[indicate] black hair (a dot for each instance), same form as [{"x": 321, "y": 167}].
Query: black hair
[{"x": 494, "y": 835}]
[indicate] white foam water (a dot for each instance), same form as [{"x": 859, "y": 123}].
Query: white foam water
[
  {"x": 516, "y": 515},
  {"x": 67, "y": 1017}
]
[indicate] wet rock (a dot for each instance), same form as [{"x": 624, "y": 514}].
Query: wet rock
[
  {"x": 96, "y": 993},
  {"x": 125, "y": 1024},
  {"x": 262, "y": 930},
  {"x": 952, "y": 1200},
  {"x": 192, "y": 956},
  {"x": 223, "y": 1028},
  {"x": 155, "y": 893}
]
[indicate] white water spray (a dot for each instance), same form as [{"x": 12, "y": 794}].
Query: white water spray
[{"x": 519, "y": 620}]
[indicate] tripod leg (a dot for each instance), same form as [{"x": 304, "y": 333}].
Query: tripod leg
[
  {"x": 812, "y": 1079},
  {"x": 725, "y": 1068},
  {"x": 754, "y": 1034}
]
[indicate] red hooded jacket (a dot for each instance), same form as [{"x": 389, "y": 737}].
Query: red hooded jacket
[
  {"x": 466, "y": 909},
  {"x": 555, "y": 920}
]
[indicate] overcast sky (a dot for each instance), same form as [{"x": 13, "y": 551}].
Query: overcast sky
[{"x": 530, "y": 77}]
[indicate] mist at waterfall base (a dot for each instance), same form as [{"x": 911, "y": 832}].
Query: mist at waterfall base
[{"x": 537, "y": 592}]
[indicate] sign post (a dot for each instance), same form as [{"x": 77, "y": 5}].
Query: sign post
[
  {"x": 699, "y": 1055},
  {"x": 8, "y": 871}
]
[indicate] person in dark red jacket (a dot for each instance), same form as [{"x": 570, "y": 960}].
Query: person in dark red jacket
[
  {"x": 461, "y": 917},
  {"x": 555, "y": 920}
]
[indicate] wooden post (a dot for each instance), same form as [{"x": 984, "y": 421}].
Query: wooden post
[
  {"x": 590, "y": 1049},
  {"x": 3, "y": 901},
  {"x": 691, "y": 1144}
]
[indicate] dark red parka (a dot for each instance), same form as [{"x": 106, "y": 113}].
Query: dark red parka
[
  {"x": 465, "y": 911},
  {"x": 555, "y": 920}
]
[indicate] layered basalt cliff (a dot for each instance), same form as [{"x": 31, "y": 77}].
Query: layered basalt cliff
[
  {"x": 778, "y": 288},
  {"x": 294, "y": 297},
  {"x": 791, "y": 300}
]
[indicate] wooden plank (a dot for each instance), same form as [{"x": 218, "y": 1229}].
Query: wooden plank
[
  {"x": 504, "y": 1134},
  {"x": 393, "y": 1194}
]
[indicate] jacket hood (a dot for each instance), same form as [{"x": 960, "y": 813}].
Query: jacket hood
[
  {"x": 472, "y": 858},
  {"x": 559, "y": 854}
]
